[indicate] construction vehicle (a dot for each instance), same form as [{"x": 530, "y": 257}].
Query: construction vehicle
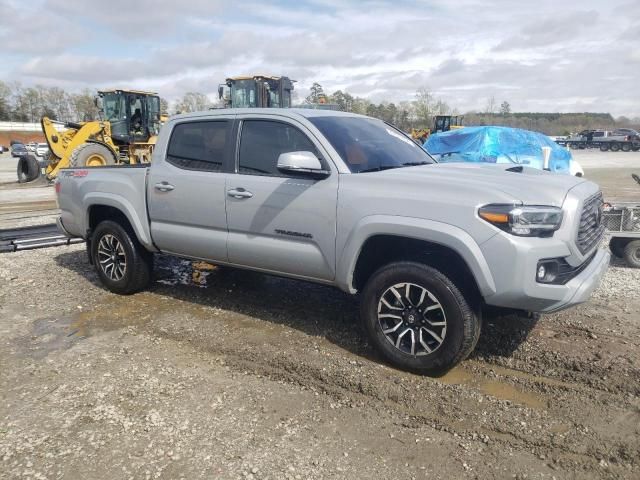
[
  {"x": 441, "y": 123},
  {"x": 257, "y": 91},
  {"x": 126, "y": 133}
]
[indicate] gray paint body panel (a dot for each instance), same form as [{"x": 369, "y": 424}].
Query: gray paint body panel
[{"x": 315, "y": 229}]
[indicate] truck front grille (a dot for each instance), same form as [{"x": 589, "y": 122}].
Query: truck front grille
[{"x": 591, "y": 228}]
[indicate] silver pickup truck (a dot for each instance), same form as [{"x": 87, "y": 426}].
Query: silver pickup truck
[{"x": 348, "y": 201}]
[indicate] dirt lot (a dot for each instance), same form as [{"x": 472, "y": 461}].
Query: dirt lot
[
  {"x": 225, "y": 374},
  {"x": 216, "y": 373}
]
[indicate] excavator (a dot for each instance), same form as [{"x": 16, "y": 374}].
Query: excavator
[
  {"x": 257, "y": 91},
  {"x": 126, "y": 133}
]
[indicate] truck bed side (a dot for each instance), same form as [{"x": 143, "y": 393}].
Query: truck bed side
[{"x": 120, "y": 187}]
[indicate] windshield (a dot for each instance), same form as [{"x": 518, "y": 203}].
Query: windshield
[
  {"x": 113, "y": 107},
  {"x": 367, "y": 144},
  {"x": 153, "y": 115},
  {"x": 243, "y": 94}
]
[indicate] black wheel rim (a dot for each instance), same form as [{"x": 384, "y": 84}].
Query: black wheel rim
[
  {"x": 412, "y": 319},
  {"x": 111, "y": 257}
]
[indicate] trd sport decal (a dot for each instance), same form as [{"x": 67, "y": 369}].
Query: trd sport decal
[{"x": 293, "y": 234}]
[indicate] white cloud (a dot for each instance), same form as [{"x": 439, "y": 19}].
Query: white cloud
[{"x": 533, "y": 54}]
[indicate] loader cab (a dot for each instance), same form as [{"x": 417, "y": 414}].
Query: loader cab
[
  {"x": 256, "y": 92},
  {"x": 134, "y": 116},
  {"x": 444, "y": 123}
]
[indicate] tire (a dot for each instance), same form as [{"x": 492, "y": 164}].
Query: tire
[
  {"x": 28, "y": 169},
  {"x": 616, "y": 245},
  {"x": 632, "y": 253},
  {"x": 111, "y": 238},
  {"x": 636, "y": 178},
  {"x": 453, "y": 324},
  {"x": 91, "y": 155},
  {"x": 615, "y": 146},
  {"x": 625, "y": 147},
  {"x": 604, "y": 147}
]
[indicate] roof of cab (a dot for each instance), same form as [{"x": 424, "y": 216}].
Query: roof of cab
[{"x": 282, "y": 112}]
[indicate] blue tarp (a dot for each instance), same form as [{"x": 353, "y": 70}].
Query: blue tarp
[{"x": 497, "y": 145}]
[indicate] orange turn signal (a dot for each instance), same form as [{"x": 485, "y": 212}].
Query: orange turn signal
[{"x": 494, "y": 217}]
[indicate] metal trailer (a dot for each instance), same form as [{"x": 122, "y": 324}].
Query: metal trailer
[
  {"x": 624, "y": 143},
  {"x": 623, "y": 226}
]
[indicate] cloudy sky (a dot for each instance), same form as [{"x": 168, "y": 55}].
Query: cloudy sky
[{"x": 568, "y": 55}]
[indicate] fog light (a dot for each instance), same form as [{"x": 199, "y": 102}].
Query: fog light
[{"x": 541, "y": 272}]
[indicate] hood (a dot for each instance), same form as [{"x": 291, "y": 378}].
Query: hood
[{"x": 526, "y": 184}]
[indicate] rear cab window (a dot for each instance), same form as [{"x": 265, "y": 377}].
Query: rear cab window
[{"x": 199, "y": 145}]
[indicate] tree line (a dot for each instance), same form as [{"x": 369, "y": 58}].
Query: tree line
[{"x": 29, "y": 104}]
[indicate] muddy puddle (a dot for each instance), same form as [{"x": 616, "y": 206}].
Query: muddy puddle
[
  {"x": 493, "y": 387},
  {"x": 63, "y": 332}
]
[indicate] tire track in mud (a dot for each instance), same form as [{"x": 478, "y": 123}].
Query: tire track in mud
[{"x": 480, "y": 401}]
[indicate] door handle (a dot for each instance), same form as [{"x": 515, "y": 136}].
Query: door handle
[
  {"x": 239, "y": 193},
  {"x": 164, "y": 186}
]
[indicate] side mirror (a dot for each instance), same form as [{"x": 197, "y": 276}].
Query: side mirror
[{"x": 302, "y": 163}]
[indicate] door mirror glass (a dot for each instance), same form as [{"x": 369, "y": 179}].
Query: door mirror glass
[{"x": 301, "y": 163}]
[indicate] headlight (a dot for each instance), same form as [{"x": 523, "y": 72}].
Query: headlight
[{"x": 534, "y": 221}]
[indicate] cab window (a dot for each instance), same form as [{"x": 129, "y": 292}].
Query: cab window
[
  {"x": 263, "y": 141},
  {"x": 199, "y": 145}
]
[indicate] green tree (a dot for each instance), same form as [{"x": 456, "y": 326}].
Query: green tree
[{"x": 316, "y": 94}]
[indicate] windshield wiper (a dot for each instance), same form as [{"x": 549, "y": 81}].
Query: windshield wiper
[
  {"x": 413, "y": 164},
  {"x": 379, "y": 168}
]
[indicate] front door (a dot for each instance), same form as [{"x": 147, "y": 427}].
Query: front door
[
  {"x": 277, "y": 222},
  {"x": 187, "y": 191}
]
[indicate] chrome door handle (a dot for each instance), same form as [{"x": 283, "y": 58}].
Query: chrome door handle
[
  {"x": 239, "y": 193},
  {"x": 164, "y": 187}
]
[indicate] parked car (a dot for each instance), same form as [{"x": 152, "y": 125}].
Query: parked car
[
  {"x": 18, "y": 150},
  {"x": 42, "y": 149},
  {"x": 3, "y": 149},
  {"x": 31, "y": 146},
  {"x": 628, "y": 132},
  {"x": 348, "y": 201}
]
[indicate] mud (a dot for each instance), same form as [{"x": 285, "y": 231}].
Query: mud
[{"x": 218, "y": 373}]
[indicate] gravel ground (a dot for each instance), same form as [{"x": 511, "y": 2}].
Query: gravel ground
[{"x": 216, "y": 373}]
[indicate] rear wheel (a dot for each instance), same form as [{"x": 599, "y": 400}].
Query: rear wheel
[
  {"x": 632, "y": 253},
  {"x": 417, "y": 318},
  {"x": 28, "y": 169},
  {"x": 91, "y": 155},
  {"x": 626, "y": 147},
  {"x": 123, "y": 265},
  {"x": 615, "y": 146},
  {"x": 604, "y": 147}
]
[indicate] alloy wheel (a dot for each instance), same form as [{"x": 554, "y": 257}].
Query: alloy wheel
[
  {"x": 111, "y": 257},
  {"x": 412, "y": 319}
]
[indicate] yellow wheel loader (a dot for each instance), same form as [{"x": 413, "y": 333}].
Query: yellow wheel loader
[
  {"x": 127, "y": 131},
  {"x": 261, "y": 91}
]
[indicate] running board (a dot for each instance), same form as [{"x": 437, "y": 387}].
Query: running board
[{"x": 36, "y": 236}]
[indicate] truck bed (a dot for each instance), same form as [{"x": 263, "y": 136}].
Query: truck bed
[{"x": 118, "y": 186}]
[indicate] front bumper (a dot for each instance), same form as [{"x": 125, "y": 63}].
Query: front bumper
[{"x": 513, "y": 264}]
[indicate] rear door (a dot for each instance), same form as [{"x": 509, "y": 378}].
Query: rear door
[
  {"x": 187, "y": 190},
  {"x": 280, "y": 223}
]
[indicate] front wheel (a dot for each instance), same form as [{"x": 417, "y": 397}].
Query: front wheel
[
  {"x": 123, "y": 265},
  {"x": 418, "y": 319}
]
